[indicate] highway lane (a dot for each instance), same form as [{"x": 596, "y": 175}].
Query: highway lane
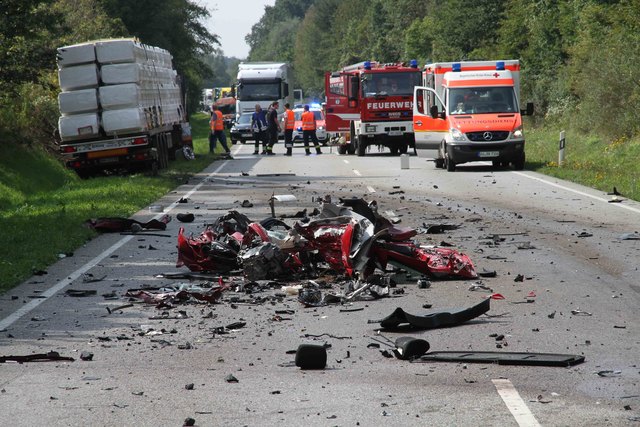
[{"x": 140, "y": 380}]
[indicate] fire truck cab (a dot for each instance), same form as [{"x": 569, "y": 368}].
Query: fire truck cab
[
  {"x": 372, "y": 104},
  {"x": 469, "y": 111}
]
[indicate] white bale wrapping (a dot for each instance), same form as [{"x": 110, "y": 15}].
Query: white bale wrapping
[
  {"x": 78, "y": 77},
  {"x": 78, "y": 101},
  {"x": 78, "y": 126},
  {"x": 76, "y": 54},
  {"x": 118, "y": 51},
  {"x": 124, "y": 120}
]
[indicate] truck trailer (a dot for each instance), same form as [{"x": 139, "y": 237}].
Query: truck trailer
[
  {"x": 372, "y": 104},
  {"x": 121, "y": 107},
  {"x": 470, "y": 111}
]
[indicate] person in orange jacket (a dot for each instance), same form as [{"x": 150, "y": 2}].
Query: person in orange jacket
[
  {"x": 289, "y": 126},
  {"x": 217, "y": 131},
  {"x": 309, "y": 130}
]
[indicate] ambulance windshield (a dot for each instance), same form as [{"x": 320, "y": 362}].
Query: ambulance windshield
[{"x": 482, "y": 100}]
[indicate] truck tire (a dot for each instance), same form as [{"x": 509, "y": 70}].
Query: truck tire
[{"x": 361, "y": 148}]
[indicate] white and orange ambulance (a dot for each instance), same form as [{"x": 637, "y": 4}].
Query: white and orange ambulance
[{"x": 469, "y": 111}]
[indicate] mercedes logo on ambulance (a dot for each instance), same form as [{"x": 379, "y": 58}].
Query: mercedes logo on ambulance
[{"x": 487, "y": 136}]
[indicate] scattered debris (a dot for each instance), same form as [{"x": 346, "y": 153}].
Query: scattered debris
[
  {"x": 504, "y": 358},
  {"x": 311, "y": 356},
  {"x": 51, "y": 356},
  {"x": 116, "y": 224},
  {"x": 185, "y": 217},
  {"x": 438, "y": 319}
]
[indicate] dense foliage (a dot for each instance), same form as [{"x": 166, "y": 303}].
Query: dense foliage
[
  {"x": 577, "y": 56},
  {"x": 31, "y": 30}
]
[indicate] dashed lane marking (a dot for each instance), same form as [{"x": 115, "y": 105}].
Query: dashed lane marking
[
  {"x": 370, "y": 189},
  {"x": 357, "y": 172},
  {"x": 16, "y": 315},
  {"x": 515, "y": 404}
]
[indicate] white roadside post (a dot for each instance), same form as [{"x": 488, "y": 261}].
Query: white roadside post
[{"x": 561, "y": 149}]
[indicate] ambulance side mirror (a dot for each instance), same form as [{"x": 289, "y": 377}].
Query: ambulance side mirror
[
  {"x": 434, "y": 111},
  {"x": 529, "y": 110}
]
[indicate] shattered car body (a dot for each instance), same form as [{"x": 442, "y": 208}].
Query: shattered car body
[{"x": 353, "y": 239}]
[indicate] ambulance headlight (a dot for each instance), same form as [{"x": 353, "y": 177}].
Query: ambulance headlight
[
  {"x": 456, "y": 135},
  {"x": 517, "y": 133}
]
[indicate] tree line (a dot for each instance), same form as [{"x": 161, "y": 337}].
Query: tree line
[
  {"x": 577, "y": 56},
  {"x": 31, "y": 30}
]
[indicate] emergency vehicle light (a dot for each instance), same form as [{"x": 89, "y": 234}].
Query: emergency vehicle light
[
  {"x": 456, "y": 67},
  {"x": 139, "y": 141},
  {"x": 367, "y": 65},
  {"x": 413, "y": 63},
  {"x": 69, "y": 149},
  {"x": 500, "y": 65}
]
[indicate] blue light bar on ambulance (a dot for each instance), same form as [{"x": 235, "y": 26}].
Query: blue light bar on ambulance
[
  {"x": 413, "y": 63},
  {"x": 456, "y": 67},
  {"x": 500, "y": 65},
  {"x": 367, "y": 65}
]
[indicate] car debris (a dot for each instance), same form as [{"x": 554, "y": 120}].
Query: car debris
[
  {"x": 311, "y": 356},
  {"x": 351, "y": 239},
  {"x": 52, "y": 356},
  {"x": 118, "y": 224},
  {"x": 435, "y": 319},
  {"x": 504, "y": 358}
]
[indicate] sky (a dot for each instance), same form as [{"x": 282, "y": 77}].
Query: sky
[{"x": 231, "y": 21}]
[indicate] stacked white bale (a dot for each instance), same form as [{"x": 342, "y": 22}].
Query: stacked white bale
[{"x": 127, "y": 86}]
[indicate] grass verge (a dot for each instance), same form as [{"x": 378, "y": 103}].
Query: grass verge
[
  {"x": 589, "y": 160},
  {"x": 43, "y": 206}
]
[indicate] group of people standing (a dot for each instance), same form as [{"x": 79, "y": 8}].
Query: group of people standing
[{"x": 266, "y": 127}]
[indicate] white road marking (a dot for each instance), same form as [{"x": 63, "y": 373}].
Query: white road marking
[
  {"x": 515, "y": 404},
  {"x": 346, "y": 161},
  {"x": 357, "y": 172},
  {"x": 16, "y": 315},
  {"x": 370, "y": 189},
  {"x": 582, "y": 193}
]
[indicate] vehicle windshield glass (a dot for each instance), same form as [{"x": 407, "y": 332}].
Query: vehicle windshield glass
[
  {"x": 482, "y": 100},
  {"x": 390, "y": 84},
  {"x": 244, "y": 119},
  {"x": 249, "y": 91},
  {"x": 227, "y": 109},
  {"x": 316, "y": 113}
]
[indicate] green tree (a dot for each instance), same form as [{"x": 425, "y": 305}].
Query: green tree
[{"x": 174, "y": 25}]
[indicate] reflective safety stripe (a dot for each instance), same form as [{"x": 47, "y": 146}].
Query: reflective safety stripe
[
  {"x": 291, "y": 119},
  {"x": 308, "y": 121}
]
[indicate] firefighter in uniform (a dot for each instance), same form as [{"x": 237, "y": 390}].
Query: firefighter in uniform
[
  {"x": 289, "y": 125},
  {"x": 217, "y": 131},
  {"x": 309, "y": 130}
]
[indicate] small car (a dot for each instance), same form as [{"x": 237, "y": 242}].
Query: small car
[
  {"x": 321, "y": 130},
  {"x": 241, "y": 130}
]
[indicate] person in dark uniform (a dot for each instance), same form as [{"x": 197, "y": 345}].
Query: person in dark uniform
[
  {"x": 259, "y": 127},
  {"x": 273, "y": 127}
]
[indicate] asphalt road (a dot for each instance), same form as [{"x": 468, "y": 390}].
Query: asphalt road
[{"x": 564, "y": 240}]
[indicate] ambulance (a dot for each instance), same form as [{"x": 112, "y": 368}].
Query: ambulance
[{"x": 470, "y": 111}]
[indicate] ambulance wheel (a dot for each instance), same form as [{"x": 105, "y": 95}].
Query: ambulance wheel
[
  {"x": 449, "y": 164},
  {"x": 519, "y": 163}
]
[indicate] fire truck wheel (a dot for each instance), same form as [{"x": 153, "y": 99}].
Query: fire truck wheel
[
  {"x": 351, "y": 149},
  {"x": 342, "y": 149},
  {"x": 361, "y": 148}
]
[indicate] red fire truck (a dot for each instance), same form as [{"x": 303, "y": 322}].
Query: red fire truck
[{"x": 372, "y": 103}]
